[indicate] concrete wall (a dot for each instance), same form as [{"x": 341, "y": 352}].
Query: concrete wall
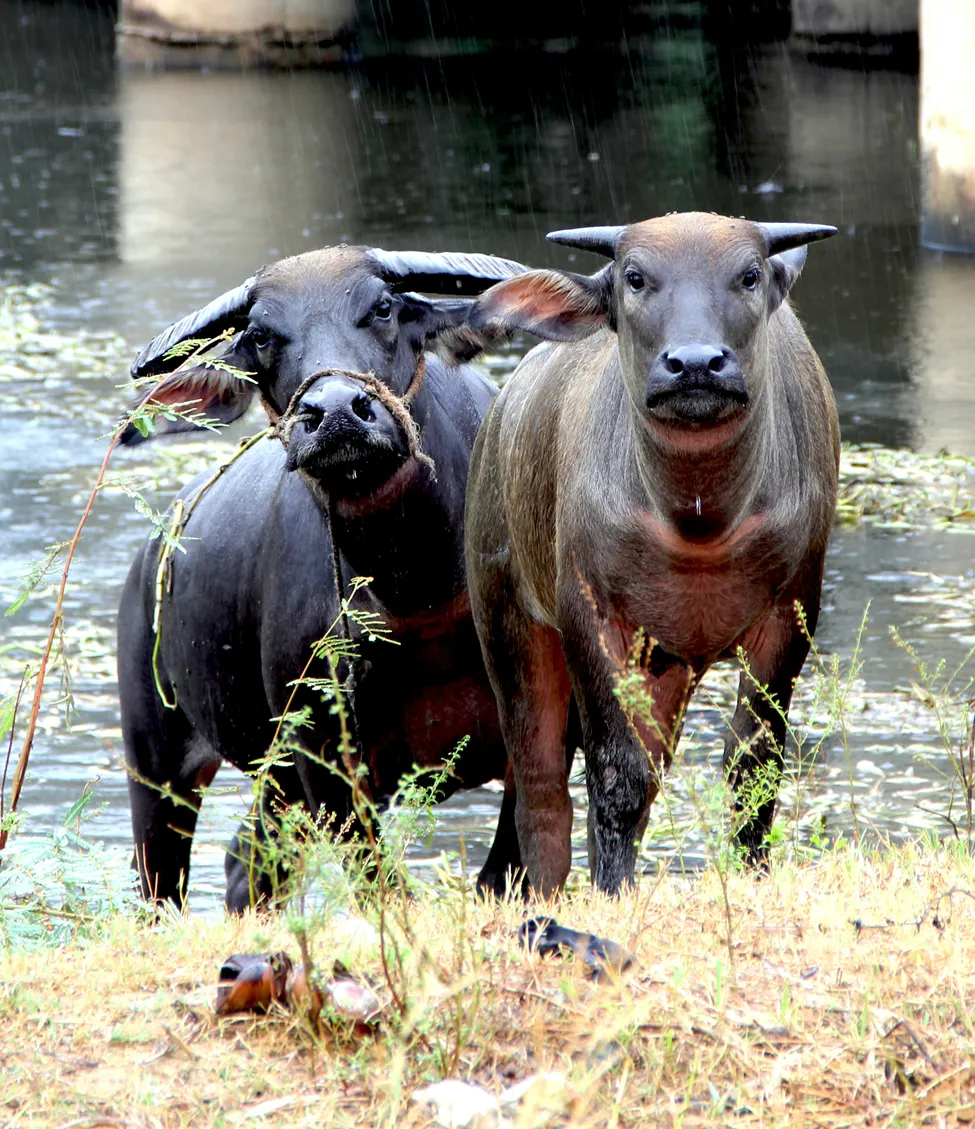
[
  {"x": 948, "y": 124},
  {"x": 819, "y": 18},
  {"x": 233, "y": 32}
]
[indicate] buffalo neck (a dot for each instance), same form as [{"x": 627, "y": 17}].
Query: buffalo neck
[
  {"x": 703, "y": 482},
  {"x": 409, "y": 545}
]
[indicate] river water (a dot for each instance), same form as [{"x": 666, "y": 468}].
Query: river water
[{"x": 134, "y": 197}]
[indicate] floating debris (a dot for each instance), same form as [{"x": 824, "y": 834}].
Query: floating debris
[{"x": 905, "y": 490}]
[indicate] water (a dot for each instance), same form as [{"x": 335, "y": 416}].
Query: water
[{"x": 138, "y": 196}]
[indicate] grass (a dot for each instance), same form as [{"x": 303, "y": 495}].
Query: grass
[{"x": 844, "y": 999}]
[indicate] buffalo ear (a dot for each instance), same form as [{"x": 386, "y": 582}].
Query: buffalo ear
[
  {"x": 784, "y": 269},
  {"x": 440, "y": 324},
  {"x": 203, "y": 388},
  {"x": 553, "y": 305}
]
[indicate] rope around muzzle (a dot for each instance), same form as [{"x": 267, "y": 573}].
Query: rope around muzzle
[{"x": 398, "y": 406}]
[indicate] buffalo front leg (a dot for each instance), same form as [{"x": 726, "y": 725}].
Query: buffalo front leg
[
  {"x": 164, "y": 814},
  {"x": 255, "y": 865},
  {"x": 525, "y": 664},
  {"x": 773, "y": 651},
  {"x": 504, "y": 871},
  {"x": 629, "y": 732},
  {"x": 500, "y": 873}
]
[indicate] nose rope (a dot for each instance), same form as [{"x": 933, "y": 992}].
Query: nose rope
[
  {"x": 281, "y": 427},
  {"x": 398, "y": 406}
]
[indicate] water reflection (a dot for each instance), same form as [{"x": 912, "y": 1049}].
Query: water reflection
[
  {"x": 939, "y": 339},
  {"x": 58, "y": 135},
  {"x": 141, "y": 195}
]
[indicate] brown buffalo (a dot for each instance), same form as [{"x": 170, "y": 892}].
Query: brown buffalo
[{"x": 658, "y": 488}]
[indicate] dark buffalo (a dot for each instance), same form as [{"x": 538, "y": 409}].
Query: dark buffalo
[
  {"x": 255, "y": 587},
  {"x": 671, "y": 468}
]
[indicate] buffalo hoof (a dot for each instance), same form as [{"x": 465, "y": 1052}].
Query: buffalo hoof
[{"x": 505, "y": 883}]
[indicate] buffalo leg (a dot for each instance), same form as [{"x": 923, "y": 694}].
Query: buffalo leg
[
  {"x": 774, "y": 652},
  {"x": 248, "y": 880},
  {"x": 624, "y": 754},
  {"x": 167, "y": 765},
  {"x": 248, "y": 864},
  {"x": 165, "y": 808},
  {"x": 500, "y": 872},
  {"x": 525, "y": 664},
  {"x": 255, "y": 869},
  {"x": 503, "y": 867}
]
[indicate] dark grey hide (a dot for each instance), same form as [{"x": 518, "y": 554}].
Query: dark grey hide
[{"x": 255, "y": 588}]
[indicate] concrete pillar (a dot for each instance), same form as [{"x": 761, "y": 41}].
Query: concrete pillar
[
  {"x": 821, "y": 18},
  {"x": 939, "y": 337},
  {"x": 948, "y": 124},
  {"x": 234, "y": 33}
]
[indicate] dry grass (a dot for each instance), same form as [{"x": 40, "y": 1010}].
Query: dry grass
[{"x": 806, "y": 1018}]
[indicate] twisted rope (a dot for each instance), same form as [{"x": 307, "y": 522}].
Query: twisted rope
[{"x": 398, "y": 406}]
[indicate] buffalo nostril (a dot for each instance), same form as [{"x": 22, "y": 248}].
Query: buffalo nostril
[
  {"x": 673, "y": 364},
  {"x": 312, "y": 417},
  {"x": 716, "y": 364},
  {"x": 362, "y": 407}
]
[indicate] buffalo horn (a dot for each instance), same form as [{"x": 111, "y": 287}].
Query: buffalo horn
[
  {"x": 230, "y": 309},
  {"x": 785, "y": 236},
  {"x": 601, "y": 240},
  {"x": 447, "y": 272}
]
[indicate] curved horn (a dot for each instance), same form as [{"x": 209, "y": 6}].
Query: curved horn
[
  {"x": 601, "y": 240},
  {"x": 229, "y": 309},
  {"x": 785, "y": 236},
  {"x": 446, "y": 272}
]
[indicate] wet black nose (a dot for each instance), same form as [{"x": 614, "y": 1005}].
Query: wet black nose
[
  {"x": 696, "y": 361},
  {"x": 696, "y": 382},
  {"x": 337, "y": 405}
]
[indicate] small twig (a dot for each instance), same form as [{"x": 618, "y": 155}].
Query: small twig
[
  {"x": 94, "y": 1121},
  {"x": 314, "y": 1006},
  {"x": 915, "y": 1039},
  {"x": 938, "y": 922},
  {"x": 180, "y": 1042},
  {"x": 10, "y": 742},
  {"x": 540, "y": 996},
  {"x": 940, "y": 815}
]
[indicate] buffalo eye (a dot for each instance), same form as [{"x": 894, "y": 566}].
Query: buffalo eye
[
  {"x": 634, "y": 279},
  {"x": 384, "y": 309},
  {"x": 751, "y": 278},
  {"x": 260, "y": 338}
]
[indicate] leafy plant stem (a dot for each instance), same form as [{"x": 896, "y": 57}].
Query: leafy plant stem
[
  {"x": 10, "y": 741},
  {"x": 21, "y": 770}
]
